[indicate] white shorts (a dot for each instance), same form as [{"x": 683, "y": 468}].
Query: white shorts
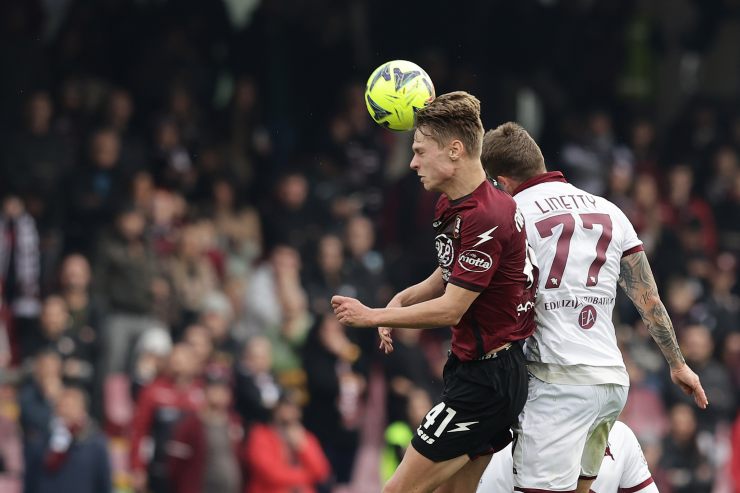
[{"x": 562, "y": 432}]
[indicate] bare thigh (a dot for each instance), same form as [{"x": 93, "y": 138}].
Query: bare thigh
[
  {"x": 417, "y": 474},
  {"x": 466, "y": 480}
]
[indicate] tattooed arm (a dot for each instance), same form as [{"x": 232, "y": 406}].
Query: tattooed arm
[{"x": 636, "y": 278}]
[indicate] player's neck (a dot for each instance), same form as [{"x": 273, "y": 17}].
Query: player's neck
[{"x": 468, "y": 177}]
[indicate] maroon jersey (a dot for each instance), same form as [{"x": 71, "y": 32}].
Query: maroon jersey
[{"x": 482, "y": 246}]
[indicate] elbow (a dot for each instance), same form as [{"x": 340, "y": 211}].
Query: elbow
[{"x": 453, "y": 316}]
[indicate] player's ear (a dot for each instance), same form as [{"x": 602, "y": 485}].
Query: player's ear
[
  {"x": 508, "y": 184},
  {"x": 455, "y": 149}
]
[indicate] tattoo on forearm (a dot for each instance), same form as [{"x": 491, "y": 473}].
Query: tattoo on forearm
[{"x": 637, "y": 280}]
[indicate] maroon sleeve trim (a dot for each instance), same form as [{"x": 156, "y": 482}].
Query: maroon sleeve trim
[
  {"x": 587, "y": 478},
  {"x": 638, "y": 487},
  {"x": 466, "y": 285},
  {"x": 533, "y": 490},
  {"x": 632, "y": 250}
]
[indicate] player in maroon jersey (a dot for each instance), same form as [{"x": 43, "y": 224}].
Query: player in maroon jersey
[{"x": 484, "y": 288}]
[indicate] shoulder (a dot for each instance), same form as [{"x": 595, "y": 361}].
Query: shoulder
[{"x": 491, "y": 205}]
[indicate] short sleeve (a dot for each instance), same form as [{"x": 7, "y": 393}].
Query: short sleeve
[
  {"x": 481, "y": 238},
  {"x": 635, "y": 474},
  {"x": 631, "y": 243}
]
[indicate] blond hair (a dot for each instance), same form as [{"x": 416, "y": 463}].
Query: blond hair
[{"x": 455, "y": 115}]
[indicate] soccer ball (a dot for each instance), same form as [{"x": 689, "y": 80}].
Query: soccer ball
[{"x": 394, "y": 92}]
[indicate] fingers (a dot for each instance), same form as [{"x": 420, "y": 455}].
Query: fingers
[{"x": 700, "y": 397}]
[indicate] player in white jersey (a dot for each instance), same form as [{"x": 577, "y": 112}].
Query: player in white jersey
[
  {"x": 623, "y": 470},
  {"x": 585, "y": 246}
]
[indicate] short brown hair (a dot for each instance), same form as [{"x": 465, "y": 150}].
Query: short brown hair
[
  {"x": 510, "y": 151},
  {"x": 453, "y": 115}
]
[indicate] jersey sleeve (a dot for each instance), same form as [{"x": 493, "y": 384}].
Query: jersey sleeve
[
  {"x": 635, "y": 474},
  {"x": 481, "y": 238},
  {"x": 631, "y": 243}
]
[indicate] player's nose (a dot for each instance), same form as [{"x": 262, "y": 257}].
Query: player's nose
[{"x": 414, "y": 164}]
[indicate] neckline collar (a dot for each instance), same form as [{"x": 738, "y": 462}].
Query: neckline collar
[{"x": 547, "y": 177}]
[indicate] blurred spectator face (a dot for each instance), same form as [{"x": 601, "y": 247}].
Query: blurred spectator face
[
  {"x": 682, "y": 294},
  {"x": 105, "y": 149},
  {"x": 600, "y": 125},
  {"x": 39, "y": 113},
  {"x": 165, "y": 209},
  {"x": 200, "y": 341},
  {"x": 287, "y": 414},
  {"x": 285, "y": 259},
  {"x": 331, "y": 256},
  {"x": 726, "y": 162},
  {"x": 168, "y": 135},
  {"x": 620, "y": 180},
  {"x": 191, "y": 244},
  {"x": 71, "y": 97},
  {"x": 142, "y": 190},
  {"x": 120, "y": 108},
  {"x": 47, "y": 365},
  {"x": 680, "y": 183},
  {"x": 216, "y": 315},
  {"x": 646, "y": 191},
  {"x": 724, "y": 276},
  {"x": 71, "y": 406},
  {"x": 360, "y": 236},
  {"x": 131, "y": 225},
  {"x": 293, "y": 191},
  {"x": 54, "y": 316},
  {"x": 13, "y": 207},
  {"x": 418, "y": 406},
  {"x": 218, "y": 395},
  {"x": 75, "y": 273},
  {"x": 245, "y": 94},
  {"x": 683, "y": 423},
  {"x": 181, "y": 102},
  {"x": 696, "y": 344},
  {"x": 257, "y": 355},
  {"x": 223, "y": 194},
  {"x": 183, "y": 362},
  {"x": 643, "y": 134}
]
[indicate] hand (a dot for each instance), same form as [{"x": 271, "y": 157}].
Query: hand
[
  {"x": 351, "y": 312},
  {"x": 386, "y": 340},
  {"x": 689, "y": 382},
  {"x": 295, "y": 434},
  {"x": 138, "y": 481}
]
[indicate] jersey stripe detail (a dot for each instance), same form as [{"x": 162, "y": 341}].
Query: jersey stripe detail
[
  {"x": 466, "y": 285},
  {"x": 638, "y": 487},
  {"x": 632, "y": 250},
  {"x": 534, "y": 490}
]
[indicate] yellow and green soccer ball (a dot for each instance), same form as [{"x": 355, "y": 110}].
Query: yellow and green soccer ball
[{"x": 395, "y": 91}]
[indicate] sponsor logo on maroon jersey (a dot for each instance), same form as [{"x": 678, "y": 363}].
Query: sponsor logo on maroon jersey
[
  {"x": 475, "y": 261},
  {"x": 587, "y": 317}
]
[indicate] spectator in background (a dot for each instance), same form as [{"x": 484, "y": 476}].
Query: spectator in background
[
  {"x": 204, "y": 448},
  {"x": 73, "y": 456},
  {"x": 39, "y": 394},
  {"x": 683, "y": 206},
  {"x": 698, "y": 348},
  {"x": 191, "y": 273},
  {"x": 119, "y": 112},
  {"x": 731, "y": 359},
  {"x": 217, "y": 315},
  {"x": 161, "y": 405},
  {"x": 126, "y": 283},
  {"x": 336, "y": 386},
  {"x": 728, "y": 210},
  {"x": 329, "y": 277},
  {"x": 276, "y": 306},
  {"x": 95, "y": 191},
  {"x": 11, "y": 448},
  {"x": 292, "y": 219},
  {"x": 200, "y": 340},
  {"x": 36, "y": 158},
  {"x": 687, "y": 467},
  {"x": 173, "y": 168},
  {"x": 407, "y": 368},
  {"x": 722, "y": 305},
  {"x": 20, "y": 261},
  {"x": 78, "y": 352},
  {"x": 256, "y": 390},
  {"x": 282, "y": 456},
  {"x": 399, "y": 433}
]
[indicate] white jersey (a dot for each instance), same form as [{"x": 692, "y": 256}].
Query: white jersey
[
  {"x": 624, "y": 468},
  {"x": 579, "y": 240}
]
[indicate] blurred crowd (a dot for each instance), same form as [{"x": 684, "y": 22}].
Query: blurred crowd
[{"x": 186, "y": 184}]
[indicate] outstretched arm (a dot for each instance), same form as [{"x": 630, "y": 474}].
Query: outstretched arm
[{"x": 638, "y": 282}]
